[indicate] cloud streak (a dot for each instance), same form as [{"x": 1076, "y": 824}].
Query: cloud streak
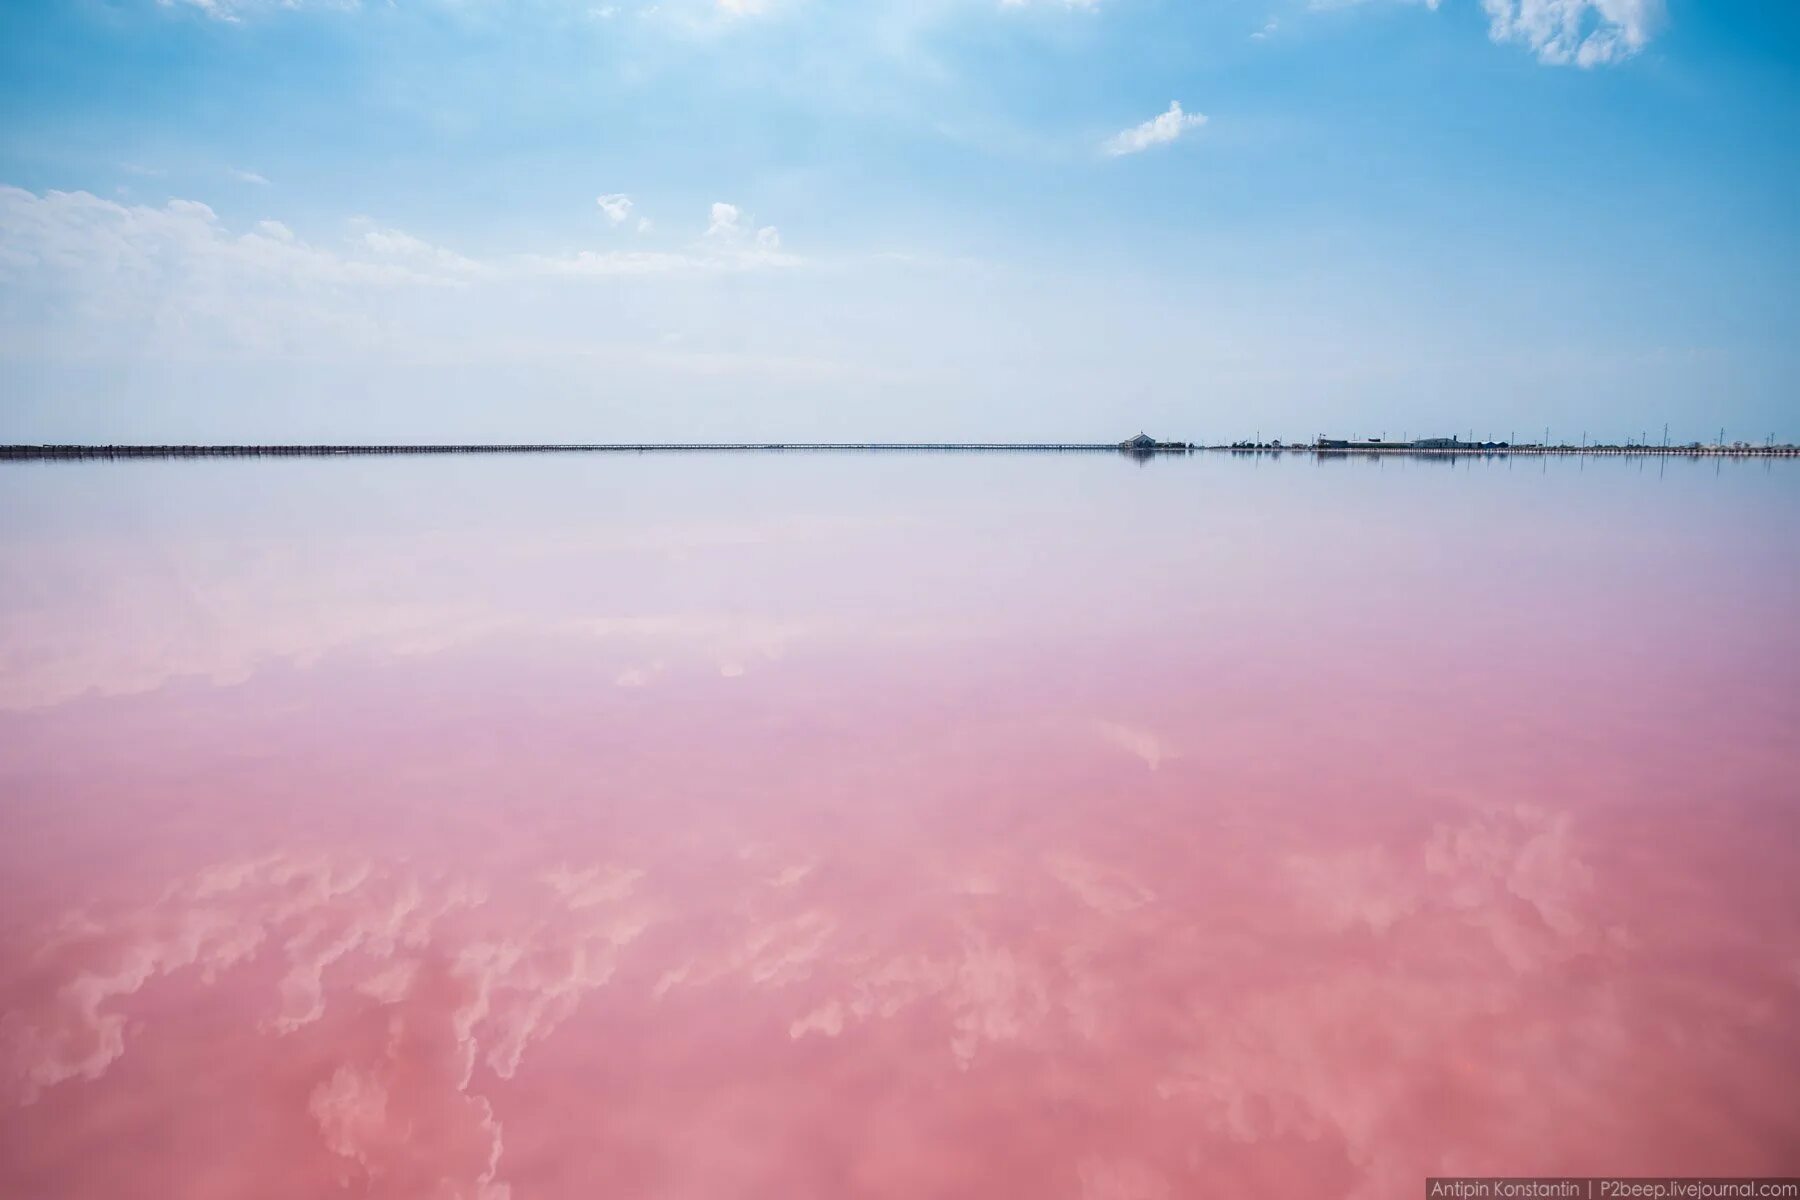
[{"x": 1159, "y": 130}]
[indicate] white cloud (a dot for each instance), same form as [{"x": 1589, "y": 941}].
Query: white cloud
[
  {"x": 645, "y": 225},
  {"x": 190, "y": 208},
  {"x": 728, "y": 226},
  {"x": 724, "y": 220},
  {"x": 1585, "y": 33},
  {"x": 243, "y": 176},
  {"x": 616, "y": 206},
  {"x": 82, "y": 275},
  {"x": 398, "y": 245},
  {"x": 1157, "y": 131},
  {"x": 1266, "y": 31}
]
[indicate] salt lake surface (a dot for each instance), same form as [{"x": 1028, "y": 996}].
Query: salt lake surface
[{"x": 837, "y": 825}]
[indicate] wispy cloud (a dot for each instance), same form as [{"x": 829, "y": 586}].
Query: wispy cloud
[
  {"x": 616, "y": 206},
  {"x": 729, "y": 226},
  {"x": 724, "y": 221},
  {"x": 1157, "y": 131},
  {"x": 83, "y": 272},
  {"x": 1583, "y": 33},
  {"x": 416, "y": 254},
  {"x": 233, "y": 10},
  {"x": 243, "y": 176}
]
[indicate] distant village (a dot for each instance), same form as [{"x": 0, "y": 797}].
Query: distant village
[
  {"x": 1382, "y": 443},
  {"x": 1326, "y": 444},
  {"x": 1330, "y": 443},
  {"x": 1435, "y": 443}
]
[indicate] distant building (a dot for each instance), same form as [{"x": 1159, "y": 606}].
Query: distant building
[{"x": 1142, "y": 441}]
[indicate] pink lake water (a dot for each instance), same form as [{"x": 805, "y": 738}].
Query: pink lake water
[{"x": 842, "y": 825}]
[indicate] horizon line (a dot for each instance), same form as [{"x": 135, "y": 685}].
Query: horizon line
[{"x": 80, "y": 450}]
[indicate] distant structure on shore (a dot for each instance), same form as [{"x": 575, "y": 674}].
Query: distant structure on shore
[
  {"x": 1143, "y": 443},
  {"x": 1325, "y": 445},
  {"x": 1435, "y": 443},
  {"x": 1455, "y": 445}
]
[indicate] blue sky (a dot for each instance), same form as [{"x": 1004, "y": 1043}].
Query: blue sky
[{"x": 450, "y": 219}]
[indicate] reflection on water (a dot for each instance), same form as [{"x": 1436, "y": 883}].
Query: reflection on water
[{"x": 850, "y": 825}]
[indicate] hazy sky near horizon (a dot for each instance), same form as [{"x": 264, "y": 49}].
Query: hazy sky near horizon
[{"x": 448, "y": 219}]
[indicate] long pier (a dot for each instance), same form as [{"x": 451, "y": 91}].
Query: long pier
[{"x": 284, "y": 451}]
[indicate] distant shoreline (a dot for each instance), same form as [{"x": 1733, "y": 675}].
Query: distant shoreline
[
  {"x": 18, "y": 452},
  {"x": 1530, "y": 451},
  {"x": 288, "y": 451}
]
